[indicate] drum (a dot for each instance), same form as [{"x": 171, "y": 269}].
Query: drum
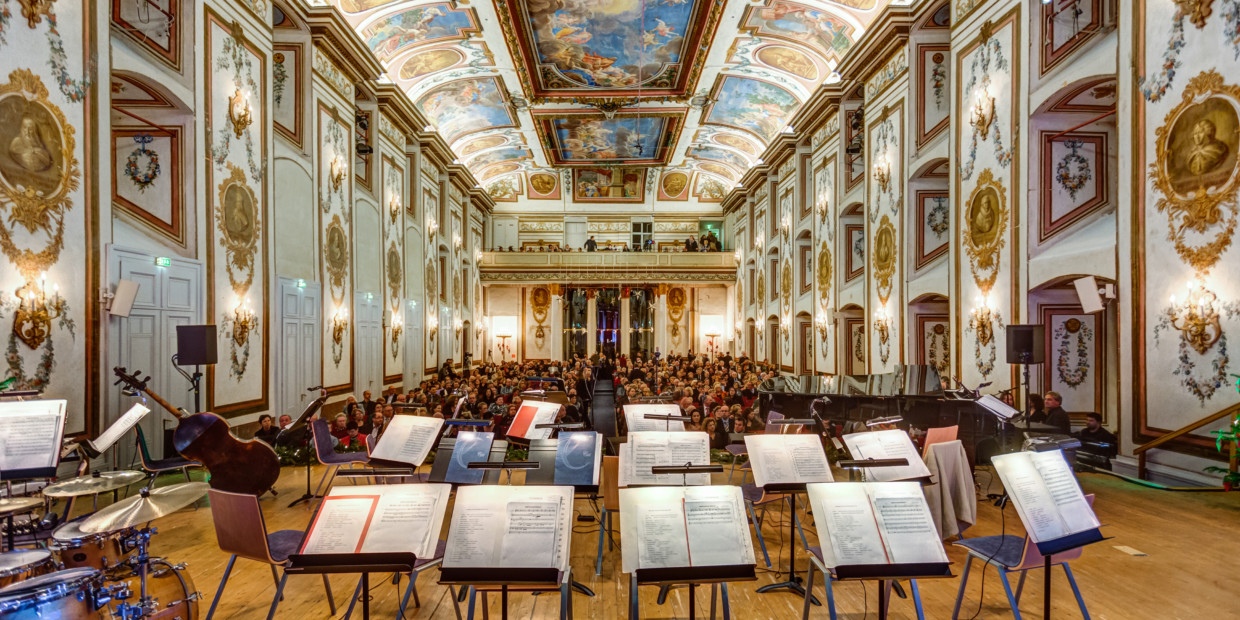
[
  {"x": 67, "y": 595},
  {"x": 75, "y": 548},
  {"x": 23, "y": 564},
  {"x": 170, "y": 586}
]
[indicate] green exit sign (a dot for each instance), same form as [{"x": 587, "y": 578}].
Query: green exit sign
[
  {"x": 163, "y": 261},
  {"x": 301, "y": 283}
]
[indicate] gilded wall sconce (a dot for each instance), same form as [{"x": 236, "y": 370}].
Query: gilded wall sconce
[
  {"x": 758, "y": 242},
  {"x": 1197, "y": 317},
  {"x": 398, "y": 328},
  {"x": 823, "y": 325},
  {"x": 982, "y": 114},
  {"x": 785, "y": 226},
  {"x": 432, "y": 227},
  {"x": 340, "y": 323},
  {"x": 394, "y": 207},
  {"x": 981, "y": 319},
  {"x": 36, "y": 309},
  {"x": 337, "y": 173},
  {"x": 882, "y": 326},
  {"x": 882, "y": 174},
  {"x": 456, "y": 242},
  {"x": 240, "y": 115},
  {"x": 244, "y": 321},
  {"x": 457, "y": 326},
  {"x": 432, "y": 326},
  {"x": 785, "y": 326}
]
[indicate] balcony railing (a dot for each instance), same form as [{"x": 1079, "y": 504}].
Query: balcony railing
[{"x": 608, "y": 266}]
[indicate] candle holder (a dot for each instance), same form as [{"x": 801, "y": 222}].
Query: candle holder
[
  {"x": 36, "y": 309},
  {"x": 1197, "y": 317}
]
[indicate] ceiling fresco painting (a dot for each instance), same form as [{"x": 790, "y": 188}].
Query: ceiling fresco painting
[{"x": 609, "y": 88}]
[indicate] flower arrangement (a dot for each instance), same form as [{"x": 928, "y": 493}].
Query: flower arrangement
[{"x": 1227, "y": 440}]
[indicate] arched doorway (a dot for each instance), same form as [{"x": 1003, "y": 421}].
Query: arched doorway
[{"x": 607, "y": 334}]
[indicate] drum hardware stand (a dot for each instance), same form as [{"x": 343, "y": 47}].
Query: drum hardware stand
[{"x": 146, "y": 605}]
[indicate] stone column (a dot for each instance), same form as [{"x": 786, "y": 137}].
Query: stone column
[
  {"x": 556, "y": 333},
  {"x": 591, "y": 322},
  {"x": 626, "y": 323}
]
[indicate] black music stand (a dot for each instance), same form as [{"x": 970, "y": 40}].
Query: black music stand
[
  {"x": 519, "y": 579},
  {"x": 1059, "y": 545},
  {"x": 302, "y": 423},
  {"x": 693, "y": 576},
  {"x": 443, "y": 458},
  {"x": 794, "y": 581},
  {"x": 351, "y": 563},
  {"x": 886, "y": 574}
]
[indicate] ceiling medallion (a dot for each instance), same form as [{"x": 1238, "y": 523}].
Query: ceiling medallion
[{"x": 607, "y": 105}]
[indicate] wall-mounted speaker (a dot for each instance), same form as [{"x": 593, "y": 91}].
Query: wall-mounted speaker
[
  {"x": 1026, "y": 344},
  {"x": 122, "y": 299},
  {"x": 196, "y": 345},
  {"x": 1087, "y": 293}
]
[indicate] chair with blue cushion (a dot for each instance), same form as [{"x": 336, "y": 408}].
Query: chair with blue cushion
[
  {"x": 325, "y": 452},
  {"x": 1015, "y": 554},
  {"x": 155, "y": 467}
]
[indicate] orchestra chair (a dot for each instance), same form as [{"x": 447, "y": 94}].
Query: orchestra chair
[
  {"x": 155, "y": 467},
  {"x": 328, "y": 457},
  {"x": 942, "y": 434},
  {"x": 241, "y": 531},
  {"x": 816, "y": 563},
  {"x": 609, "y": 486},
  {"x": 1009, "y": 554}
]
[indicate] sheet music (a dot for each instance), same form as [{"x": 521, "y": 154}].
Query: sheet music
[
  {"x": 889, "y": 444},
  {"x": 635, "y": 416},
  {"x": 30, "y": 434},
  {"x": 787, "y": 459},
  {"x": 1077, "y": 514},
  {"x": 1029, "y": 493},
  {"x": 997, "y": 407},
  {"x": 661, "y": 534},
  {"x": 844, "y": 513},
  {"x": 475, "y": 544},
  {"x": 119, "y": 427},
  {"x": 517, "y": 527},
  {"x": 717, "y": 526},
  {"x": 905, "y": 522},
  {"x": 340, "y": 524},
  {"x": 529, "y": 539},
  {"x": 408, "y": 439},
  {"x": 531, "y": 414},
  {"x": 651, "y": 449}
]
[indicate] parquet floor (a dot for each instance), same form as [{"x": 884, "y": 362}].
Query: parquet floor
[{"x": 1192, "y": 541}]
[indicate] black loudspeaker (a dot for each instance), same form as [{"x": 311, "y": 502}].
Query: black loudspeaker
[
  {"x": 196, "y": 345},
  {"x": 1026, "y": 344}
]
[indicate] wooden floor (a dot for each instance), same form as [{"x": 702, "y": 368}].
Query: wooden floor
[{"x": 1192, "y": 541}]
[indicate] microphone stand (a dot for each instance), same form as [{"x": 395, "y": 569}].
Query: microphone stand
[{"x": 195, "y": 382}]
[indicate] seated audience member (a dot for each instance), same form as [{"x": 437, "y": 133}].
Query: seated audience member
[
  {"x": 718, "y": 437},
  {"x": 695, "y": 423},
  {"x": 1097, "y": 441},
  {"x": 286, "y": 421},
  {"x": 1055, "y": 415},
  {"x": 340, "y": 427},
  {"x": 267, "y": 431},
  {"x": 353, "y": 439}
]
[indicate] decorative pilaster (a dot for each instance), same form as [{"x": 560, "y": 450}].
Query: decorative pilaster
[
  {"x": 591, "y": 322},
  {"x": 626, "y": 322},
  {"x": 661, "y": 339},
  {"x": 556, "y": 333}
]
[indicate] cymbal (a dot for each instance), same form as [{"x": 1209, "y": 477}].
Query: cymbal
[
  {"x": 99, "y": 482},
  {"x": 146, "y": 507},
  {"x": 18, "y": 505}
]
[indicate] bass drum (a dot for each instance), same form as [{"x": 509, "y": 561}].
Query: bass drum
[
  {"x": 23, "y": 564},
  {"x": 67, "y": 595},
  {"x": 170, "y": 586}
]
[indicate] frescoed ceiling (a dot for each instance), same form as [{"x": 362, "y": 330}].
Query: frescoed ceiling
[{"x": 693, "y": 86}]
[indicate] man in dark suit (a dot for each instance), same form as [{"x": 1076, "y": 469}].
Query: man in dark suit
[{"x": 1055, "y": 415}]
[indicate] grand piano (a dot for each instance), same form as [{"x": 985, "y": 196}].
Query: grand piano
[{"x": 913, "y": 393}]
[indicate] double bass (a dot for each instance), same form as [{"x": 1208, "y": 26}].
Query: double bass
[{"x": 236, "y": 465}]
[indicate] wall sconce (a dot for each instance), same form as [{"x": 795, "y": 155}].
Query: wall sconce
[
  {"x": 244, "y": 322},
  {"x": 337, "y": 173},
  {"x": 477, "y": 257},
  {"x": 785, "y": 226},
  {"x": 432, "y": 326},
  {"x": 882, "y": 325},
  {"x": 785, "y": 326},
  {"x": 239, "y": 113},
  {"x": 882, "y": 174},
  {"x": 738, "y": 327},
  {"x": 758, "y": 242},
  {"x": 983, "y": 113},
  {"x": 457, "y": 326},
  {"x": 340, "y": 322},
  {"x": 981, "y": 318},
  {"x": 394, "y": 207},
  {"x": 1197, "y": 316},
  {"x": 398, "y": 328},
  {"x": 823, "y": 207},
  {"x": 823, "y": 325},
  {"x": 456, "y": 242},
  {"x": 36, "y": 310},
  {"x": 737, "y": 254},
  {"x": 432, "y": 227}
]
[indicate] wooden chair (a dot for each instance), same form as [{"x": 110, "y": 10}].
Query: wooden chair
[
  {"x": 1010, "y": 554},
  {"x": 327, "y": 455},
  {"x": 941, "y": 434},
  {"x": 609, "y": 485},
  {"x": 241, "y": 530},
  {"x": 155, "y": 467}
]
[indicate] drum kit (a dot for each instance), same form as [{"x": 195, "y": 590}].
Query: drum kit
[{"x": 99, "y": 566}]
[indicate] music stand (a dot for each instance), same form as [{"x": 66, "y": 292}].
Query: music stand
[{"x": 301, "y": 423}]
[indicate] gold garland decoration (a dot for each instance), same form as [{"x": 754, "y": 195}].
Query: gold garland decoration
[
  {"x": 1201, "y": 209},
  {"x": 984, "y": 226},
  {"x": 37, "y": 209},
  {"x": 785, "y": 283},
  {"x": 825, "y": 273}
]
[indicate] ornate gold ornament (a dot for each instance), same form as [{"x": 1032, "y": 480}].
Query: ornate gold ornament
[
  {"x": 761, "y": 286},
  {"x": 340, "y": 324},
  {"x": 237, "y": 220},
  {"x": 336, "y": 258},
  {"x": 395, "y": 274},
  {"x": 785, "y": 283},
  {"x": 985, "y": 225},
  {"x": 540, "y": 303},
  {"x": 1197, "y": 170},
  {"x": 457, "y": 292},
  {"x": 1196, "y": 10},
  {"x": 244, "y": 321},
  {"x": 882, "y": 174},
  {"x": 240, "y": 115},
  {"x": 981, "y": 319},
  {"x": 38, "y": 174},
  {"x": 676, "y": 302},
  {"x": 337, "y": 173},
  {"x": 882, "y": 326},
  {"x": 825, "y": 272},
  {"x": 398, "y": 328},
  {"x": 432, "y": 282},
  {"x": 885, "y": 258},
  {"x": 36, "y": 309},
  {"x": 1197, "y": 317},
  {"x": 34, "y": 10},
  {"x": 982, "y": 113}
]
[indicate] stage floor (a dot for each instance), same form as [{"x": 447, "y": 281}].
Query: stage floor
[{"x": 1192, "y": 541}]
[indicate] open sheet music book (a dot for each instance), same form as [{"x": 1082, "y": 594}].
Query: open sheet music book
[
  {"x": 30, "y": 435},
  {"x": 578, "y": 455},
  {"x": 510, "y": 527},
  {"x": 118, "y": 429},
  {"x": 786, "y": 459},
  {"x": 531, "y": 414},
  {"x": 1046, "y": 494},
  {"x": 891, "y": 444},
  {"x": 863, "y": 523},
  {"x": 677, "y": 527},
  {"x": 645, "y": 450},
  {"x": 407, "y": 439},
  {"x": 379, "y": 518},
  {"x": 635, "y": 417},
  {"x": 997, "y": 407}
]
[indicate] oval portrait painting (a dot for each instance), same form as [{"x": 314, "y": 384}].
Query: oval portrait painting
[
  {"x": 393, "y": 267},
  {"x": 31, "y": 146},
  {"x": 1202, "y": 147},
  {"x": 239, "y": 214},
  {"x": 983, "y": 217},
  {"x": 674, "y": 184},
  {"x": 884, "y": 248},
  {"x": 337, "y": 247}
]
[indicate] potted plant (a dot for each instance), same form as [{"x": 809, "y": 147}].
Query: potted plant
[{"x": 1224, "y": 440}]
